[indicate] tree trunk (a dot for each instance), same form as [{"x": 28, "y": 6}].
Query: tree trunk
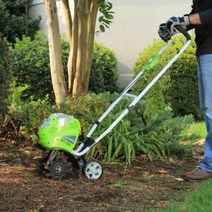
[
  {"x": 57, "y": 75},
  {"x": 82, "y": 40},
  {"x": 73, "y": 46},
  {"x": 81, "y": 32},
  {"x": 79, "y": 85},
  {"x": 90, "y": 39},
  {"x": 68, "y": 19}
]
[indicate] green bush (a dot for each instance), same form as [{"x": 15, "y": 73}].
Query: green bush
[
  {"x": 24, "y": 116},
  {"x": 28, "y": 115},
  {"x": 179, "y": 84},
  {"x": 5, "y": 71},
  {"x": 145, "y": 130},
  {"x": 89, "y": 108},
  {"x": 15, "y": 21},
  {"x": 31, "y": 67},
  {"x": 104, "y": 73}
]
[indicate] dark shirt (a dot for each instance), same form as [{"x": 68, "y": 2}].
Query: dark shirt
[{"x": 204, "y": 31}]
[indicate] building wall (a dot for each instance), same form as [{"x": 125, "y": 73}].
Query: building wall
[{"x": 134, "y": 28}]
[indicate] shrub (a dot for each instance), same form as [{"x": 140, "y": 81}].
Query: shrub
[
  {"x": 179, "y": 84},
  {"x": 31, "y": 67},
  {"x": 14, "y": 20},
  {"x": 104, "y": 73},
  {"x": 28, "y": 115},
  {"x": 5, "y": 71},
  {"x": 143, "y": 131},
  {"x": 25, "y": 116}
]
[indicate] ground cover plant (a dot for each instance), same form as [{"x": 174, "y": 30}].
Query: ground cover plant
[{"x": 145, "y": 130}]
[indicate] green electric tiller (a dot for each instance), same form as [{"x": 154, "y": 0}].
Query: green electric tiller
[{"x": 59, "y": 134}]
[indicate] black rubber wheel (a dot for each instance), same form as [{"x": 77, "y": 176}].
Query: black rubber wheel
[
  {"x": 59, "y": 169},
  {"x": 41, "y": 164}
]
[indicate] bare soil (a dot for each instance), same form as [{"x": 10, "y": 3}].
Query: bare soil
[{"x": 140, "y": 187}]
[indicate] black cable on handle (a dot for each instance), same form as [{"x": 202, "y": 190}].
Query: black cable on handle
[{"x": 183, "y": 31}]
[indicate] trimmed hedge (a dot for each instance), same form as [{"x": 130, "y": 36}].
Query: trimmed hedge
[
  {"x": 179, "y": 84},
  {"x": 31, "y": 67},
  {"x": 104, "y": 73}
]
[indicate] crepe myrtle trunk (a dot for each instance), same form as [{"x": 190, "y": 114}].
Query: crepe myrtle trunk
[
  {"x": 56, "y": 65},
  {"x": 81, "y": 43},
  {"x": 80, "y": 27}
]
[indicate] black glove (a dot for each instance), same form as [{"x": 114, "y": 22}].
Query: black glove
[
  {"x": 164, "y": 32},
  {"x": 174, "y": 21}
]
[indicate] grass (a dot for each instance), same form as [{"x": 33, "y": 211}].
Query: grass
[
  {"x": 198, "y": 128},
  {"x": 196, "y": 132},
  {"x": 198, "y": 200}
]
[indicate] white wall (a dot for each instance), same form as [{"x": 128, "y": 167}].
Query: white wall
[{"x": 134, "y": 28}]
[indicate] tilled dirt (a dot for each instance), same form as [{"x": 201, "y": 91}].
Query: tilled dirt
[{"x": 140, "y": 187}]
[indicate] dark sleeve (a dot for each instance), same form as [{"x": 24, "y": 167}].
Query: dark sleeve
[
  {"x": 206, "y": 17},
  {"x": 192, "y": 9},
  {"x": 189, "y": 27}
]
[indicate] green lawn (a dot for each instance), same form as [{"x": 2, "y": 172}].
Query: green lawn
[
  {"x": 197, "y": 201},
  {"x": 198, "y": 128},
  {"x": 200, "y": 199}
]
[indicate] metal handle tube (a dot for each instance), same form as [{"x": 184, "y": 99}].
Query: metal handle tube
[
  {"x": 135, "y": 101},
  {"x": 110, "y": 108},
  {"x": 78, "y": 152}
]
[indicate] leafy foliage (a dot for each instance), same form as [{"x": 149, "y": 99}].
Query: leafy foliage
[
  {"x": 179, "y": 85},
  {"x": 5, "y": 71},
  {"x": 138, "y": 133},
  {"x": 104, "y": 71},
  {"x": 31, "y": 67},
  {"x": 25, "y": 116},
  {"x": 14, "y": 20},
  {"x": 106, "y": 17}
]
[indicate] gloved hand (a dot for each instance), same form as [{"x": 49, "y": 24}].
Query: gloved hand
[
  {"x": 167, "y": 30},
  {"x": 173, "y": 21},
  {"x": 164, "y": 32}
]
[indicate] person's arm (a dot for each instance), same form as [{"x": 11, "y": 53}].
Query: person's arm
[
  {"x": 188, "y": 22},
  {"x": 204, "y": 17},
  {"x": 195, "y": 19}
]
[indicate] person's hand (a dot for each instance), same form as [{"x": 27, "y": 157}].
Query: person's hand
[
  {"x": 167, "y": 30},
  {"x": 164, "y": 32},
  {"x": 174, "y": 21}
]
